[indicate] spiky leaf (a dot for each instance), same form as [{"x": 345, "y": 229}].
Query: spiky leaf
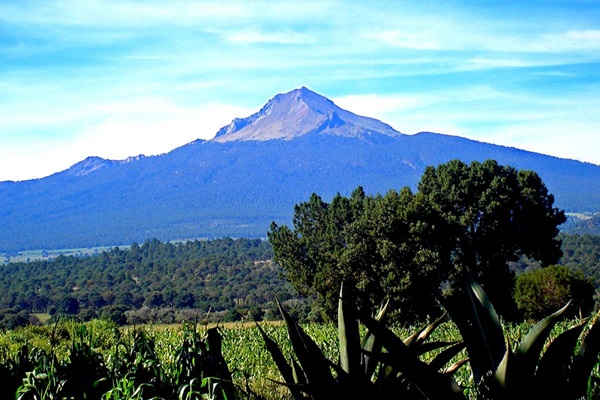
[
  {"x": 349, "y": 338},
  {"x": 314, "y": 364},
  {"x": 528, "y": 352},
  {"x": 586, "y": 358}
]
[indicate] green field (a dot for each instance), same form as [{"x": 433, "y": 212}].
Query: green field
[
  {"x": 39, "y": 255},
  {"x": 75, "y": 347}
]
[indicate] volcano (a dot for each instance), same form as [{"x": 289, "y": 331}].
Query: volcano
[{"x": 250, "y": 174}]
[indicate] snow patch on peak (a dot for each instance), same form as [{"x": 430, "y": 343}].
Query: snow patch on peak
[{"x": 297, "y": 113}]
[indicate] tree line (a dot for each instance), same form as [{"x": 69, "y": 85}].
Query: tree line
[{"x": 222, "y": 275}]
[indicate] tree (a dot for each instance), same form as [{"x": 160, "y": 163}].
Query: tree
[
  {"x": 154, "y": 300},
  {"x": 543, "y": 291},
  {"x": 68, "y": 305},
  {"x": 494, "y": 215},
  {"x": 379, "y": 247},
  {"x": 409, "y": 247}
]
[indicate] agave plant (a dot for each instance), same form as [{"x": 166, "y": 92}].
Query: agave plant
[
  {"x": 527, "y": 372},
  {"x": 364, "y": 368}
]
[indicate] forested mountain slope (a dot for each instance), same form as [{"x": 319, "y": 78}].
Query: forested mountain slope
[{"x": 250, "y": 174}]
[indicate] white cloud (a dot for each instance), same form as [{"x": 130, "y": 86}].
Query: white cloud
[
  {"x": 254, "y": 35},
  {"x": 148, "y": 126},
  {"x": 569, "y": 41}
]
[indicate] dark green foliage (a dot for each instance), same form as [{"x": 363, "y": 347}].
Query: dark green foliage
[
  {"x": 379, "y": 366},
  {"x": 526, "y": 372},
  {"x": 407, "y": 247},
  {"x": 11, "y": 318},
  {"x": 539, "y": 292},
  {"x": 582, "y": 253},
  {"x": 375, "y": 245},
  {"x": 493, "y": 214},
  {"x": 215, "y": 275}
]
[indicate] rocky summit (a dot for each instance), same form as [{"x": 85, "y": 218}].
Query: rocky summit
[{"x": 298, "y": 113}]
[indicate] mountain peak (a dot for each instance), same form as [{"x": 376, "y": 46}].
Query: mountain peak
[{"x": 297, "y": 113}]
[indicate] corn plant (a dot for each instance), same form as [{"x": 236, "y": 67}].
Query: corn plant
[
  {"x": 364, "y": 369},
  {"x": 199, "y": 370},
  {"x": 15, "y": 368},
  {"x": 528, "y": 372},
  {"x": 83, "y": 375}
]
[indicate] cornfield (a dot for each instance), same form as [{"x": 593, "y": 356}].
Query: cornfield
[{"x": 97, "y": 360}]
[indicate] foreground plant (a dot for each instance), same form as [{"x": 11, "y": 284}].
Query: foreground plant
[
  {"x": 364, "y": 368},
  {"x": 563, "y": 370},
  {"x": 132, "y": 370}
]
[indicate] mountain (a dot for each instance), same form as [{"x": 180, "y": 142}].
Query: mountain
[
  {"x": 298, "y": 113},
  {"x": 251, "y": 173}
]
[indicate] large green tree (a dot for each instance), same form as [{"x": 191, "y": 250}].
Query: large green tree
[
  {"x": 410, "y": 247},
  {"x": 378, "y": 246},
  {"x": 494, "y": 214}
]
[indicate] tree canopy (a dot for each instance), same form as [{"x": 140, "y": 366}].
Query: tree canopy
[
  {"x": 216, "y": 275},
  {"x": 412, "y": 247}
]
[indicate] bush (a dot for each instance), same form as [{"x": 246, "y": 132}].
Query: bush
[{"x": 540, "y": 292}]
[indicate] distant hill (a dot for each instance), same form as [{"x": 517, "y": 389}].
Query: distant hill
[{"x": 251, "y": 173}]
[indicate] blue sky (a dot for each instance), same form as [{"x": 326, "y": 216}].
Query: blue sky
[{"x": 120, "y": 78}]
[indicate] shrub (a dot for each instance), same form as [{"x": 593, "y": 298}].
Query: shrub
[{"x": 545, "y": 290}]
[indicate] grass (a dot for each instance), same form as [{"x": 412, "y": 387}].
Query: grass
[
  {"x": 42, "y": 317},
  {"x": 41, "y": 254}
]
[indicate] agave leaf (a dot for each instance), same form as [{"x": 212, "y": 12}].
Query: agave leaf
[
  {"x": 299, "y": 378},
  {"x": 420, "y": 336},
  {"x": 314, "y": 364},
  {"x": 586, "y": 358},
  {"x": 371, "y": 345},
  {"x": 480, "y": 327},
  {"x": 431, "y": 383},
  {"x": 446, "y": 355},
  {"x": 451, "y": 370},
  {"x": 528, "y": 352},
  {"x": 501, "y": 373},
  {"x": 554, "y": 367},
  {"x": 278, "y": 357},
  {"x": 349, "y": 337}
]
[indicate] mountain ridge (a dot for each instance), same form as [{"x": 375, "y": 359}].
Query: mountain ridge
[{"x": 215, "y": 188}]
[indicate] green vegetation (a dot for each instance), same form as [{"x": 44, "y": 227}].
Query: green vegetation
[
  {"x": 410, "y": 247},
  {"x": 364, "y": 370},
  {"x": 582, "y": 253},
  {"x": 145, "y": 360},
  {"x": 422, "y": 251},
  {"x": 225, "y": 279},
  {"x": 540, "y": 292}
]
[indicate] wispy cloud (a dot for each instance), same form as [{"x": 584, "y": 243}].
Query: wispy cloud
[
  {"x": 257, "y": 36},
  {"x": 74, "y": 72}
]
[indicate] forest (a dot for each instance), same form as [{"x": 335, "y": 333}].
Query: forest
[
  {"x": 168, "y": 282},
  {"x": 227, "y": 277}
]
